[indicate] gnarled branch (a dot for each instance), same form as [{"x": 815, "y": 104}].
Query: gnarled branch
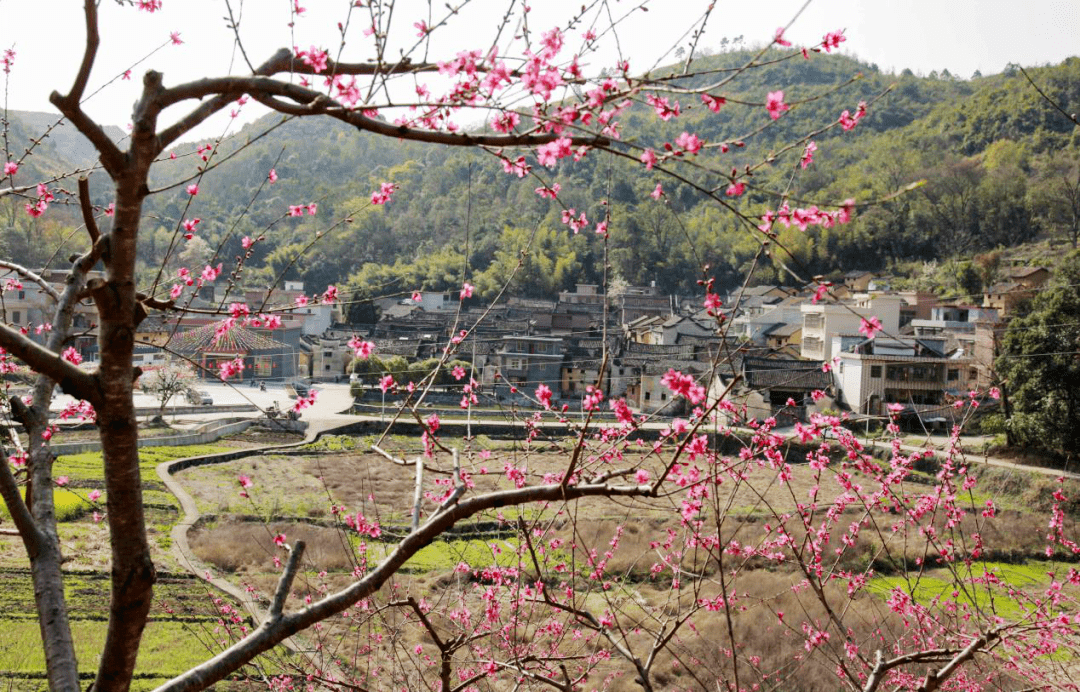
[{"x": 111, "y": 157}]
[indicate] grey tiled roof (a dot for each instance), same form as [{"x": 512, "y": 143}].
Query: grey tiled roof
[{"x": 762, "y": 373}]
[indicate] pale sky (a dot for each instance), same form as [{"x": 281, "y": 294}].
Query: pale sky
[{"x": 924, "y": 35}]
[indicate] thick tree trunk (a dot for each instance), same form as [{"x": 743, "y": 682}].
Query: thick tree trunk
[{"x": 133, "y": 571}]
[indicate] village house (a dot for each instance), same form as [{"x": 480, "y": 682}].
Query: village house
[
  {"x": 754, "y": 324},
  {"x": 522, "y": 363},
  {"x": 823, "y": 320},
  {"x": 27, "y": 306},
  {"x": 915, "y": 373},
  {"x": 782, "y": 388},
  {"x": 583, "y": 294},
  {"x": 633, "y": 302},
  {"x": 1019, "y": 286}
]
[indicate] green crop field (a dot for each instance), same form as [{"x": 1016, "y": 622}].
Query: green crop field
[{"x": 88, "y": 465}]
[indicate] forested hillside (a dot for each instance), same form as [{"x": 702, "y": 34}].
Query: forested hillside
[{"x": 1000, "y": 166}]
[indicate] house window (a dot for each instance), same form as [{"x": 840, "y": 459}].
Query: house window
[
  {"x": 954, "y": 374},
  {"x": 812, "y": 344},
  {"x": 648, "y": 395},
  {"x": 875, "y": 371},
  {"x": 22, "y": 295},
  {"x": 16, "y": 316},
  {"x": 812, "y": 320},
  {"x": 973, "y": 374}
]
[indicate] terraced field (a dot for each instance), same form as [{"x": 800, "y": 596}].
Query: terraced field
[{"x": 189, "y": 620}]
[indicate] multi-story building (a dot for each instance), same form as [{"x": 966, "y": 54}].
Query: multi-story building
[
  {"x": 523, "y": 363},
  {"x": 822, "y": 321},
  {"x": 913, "y": 372}
]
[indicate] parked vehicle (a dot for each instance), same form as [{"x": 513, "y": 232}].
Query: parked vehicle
[{"x": 199, "y": 398}]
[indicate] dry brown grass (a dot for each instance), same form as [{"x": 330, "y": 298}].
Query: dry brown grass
[
  {"x": 769, "y": 652},
  {"x": 248, "y": 547}
]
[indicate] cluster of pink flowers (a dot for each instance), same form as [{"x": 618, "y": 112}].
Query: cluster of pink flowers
[
  {"x": 189, "y": 227},
  {"x": 543, "y": 395},
  {"x": 38, "y": 206},
  {"x": 550, "y": 153},
  {"x": 231, "y": 368},
  {"x": 848, "y": 121},
  {"x": 804, "y": 218},
  {"x": 713, "y": 103},
  {"x": 313, "y": 57},
  {"x": 869, "y": 327},
  {"x": 384, "y": 194},
  {"x": 303, "y": 402},
  {"x": 81, "y": 410},
  {"x": 689, "y": 143},
  {"x": 622, "y": 411},
  {"x": 808, "y": 154},
  {"x": 833, "y": 39},
  {"x": 665, "y": 109},
  {"x": 549, "y": 192},
  {"x": 71, "y": 355},
  {"x": 576, "y": 223},
  {"x": 774, "y": 103},
  {"x": 298, "y": 209},
  {"x": 469, "y": 397},
  {"x": 362, "y": 524},
  {"x": 683, "y": 385},
  {"x": 361, "y": 349}
]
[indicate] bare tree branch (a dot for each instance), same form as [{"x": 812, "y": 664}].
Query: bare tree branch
[
  {"x": 1052, "y": 102},
  {"x": 71, "y": 378},
  {"x": 20, "y": 513},
  {"x": 111, "y": 158},
  {"x": 87, "y": 208},
  {"x": 285, "y": 583},
  {"x": 31, "y": 276}
]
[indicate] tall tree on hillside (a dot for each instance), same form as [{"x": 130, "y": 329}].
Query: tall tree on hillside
[
  {"x": 1040, "y": 365},
  {"x": 1055, "y": 195}
]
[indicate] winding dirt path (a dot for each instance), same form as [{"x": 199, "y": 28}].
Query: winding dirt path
[{"x": 323, "y": 418}]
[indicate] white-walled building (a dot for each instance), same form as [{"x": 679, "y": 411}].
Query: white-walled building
[
  {"x": 913, "y": 372},
  {"x": 822, "y": 321},
  {"x": 433, "y": 301},
  {"x": 755, "y": 325}
]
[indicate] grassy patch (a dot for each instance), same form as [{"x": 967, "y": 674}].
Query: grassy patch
[
  {"x": 70, "y": 504},
  {"x": 445, "y": 555},
  {"x": 183, "y": 630},
  {"x": 960, "y": 588},
  {"x": 168, "y": 647},
  {"x": 88, "y": 465}
]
